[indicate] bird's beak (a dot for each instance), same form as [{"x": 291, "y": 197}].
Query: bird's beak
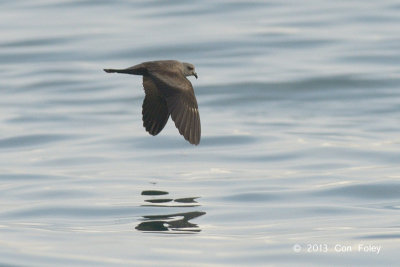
[{"x": 195, "y": 74}]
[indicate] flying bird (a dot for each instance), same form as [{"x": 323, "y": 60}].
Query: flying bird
[{"x": 168, "y": 92}]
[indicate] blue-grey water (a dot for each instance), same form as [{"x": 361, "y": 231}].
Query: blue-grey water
[{"x": 299, "y": 162}]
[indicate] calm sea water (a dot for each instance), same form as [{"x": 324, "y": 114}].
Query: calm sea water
[{"x": 299, "y": 162}]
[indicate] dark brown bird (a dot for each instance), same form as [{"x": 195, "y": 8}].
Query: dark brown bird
[{"x": 168, "y": 92}]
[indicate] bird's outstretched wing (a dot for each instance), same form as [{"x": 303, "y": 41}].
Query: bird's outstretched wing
[
  {"x": 180, "y": 98},
  {"x": 154, "y": 109},
  {"x": 185, "y": 114}
]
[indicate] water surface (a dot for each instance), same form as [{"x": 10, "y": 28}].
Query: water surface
[{"x": 299, "y": 104}]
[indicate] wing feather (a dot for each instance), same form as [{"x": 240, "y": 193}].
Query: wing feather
[
  {"x": 154, "y": 109},
  {"x": 186, "y": 118}
]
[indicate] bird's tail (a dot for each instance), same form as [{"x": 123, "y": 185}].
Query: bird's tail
[
  {"x": 111, "y": 70},
  {"x": 137, "y": 70},
  {"x": 128, "y": 71}
]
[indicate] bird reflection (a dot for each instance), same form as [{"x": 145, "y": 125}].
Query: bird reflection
[
  {"x": 178, "y": 222},
  {"x": 184, "y": 202},
  {"x": 170, "y": 223}
]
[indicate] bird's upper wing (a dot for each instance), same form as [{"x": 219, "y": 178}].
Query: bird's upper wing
[
  {"x": 154, "y": 109},
  {"x": 181, "y": 101}
]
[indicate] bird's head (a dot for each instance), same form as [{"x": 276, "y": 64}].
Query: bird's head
[{"x": 188, "y": 70}]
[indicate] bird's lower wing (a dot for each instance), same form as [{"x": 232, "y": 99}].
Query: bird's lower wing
[{"x": 185, "y": 114}]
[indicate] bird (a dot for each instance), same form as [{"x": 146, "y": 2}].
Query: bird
[{"x": 168, "y": 92}]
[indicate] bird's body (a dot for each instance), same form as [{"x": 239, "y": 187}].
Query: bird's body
[{"x": 168, "y": 92}]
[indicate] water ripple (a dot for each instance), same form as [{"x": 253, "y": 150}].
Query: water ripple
[
  {"x": 67, "y": 211},
  {"x": 364, "y": 191},
  {"x": 32, "y": 140}
]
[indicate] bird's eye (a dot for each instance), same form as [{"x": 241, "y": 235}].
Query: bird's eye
[{"x": 190, "y": 68}]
